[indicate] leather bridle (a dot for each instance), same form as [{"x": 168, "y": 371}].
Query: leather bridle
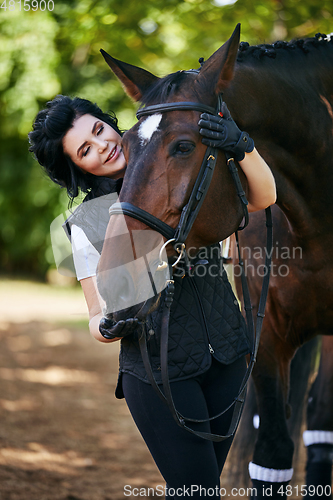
[
  {"x": 178, "y": 237},
  {"x": 199, "y": 190}
]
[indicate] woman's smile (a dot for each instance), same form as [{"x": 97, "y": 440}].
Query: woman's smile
[
  {"x": 95, "y": 147},
  {"x": 113, "y": 155}
]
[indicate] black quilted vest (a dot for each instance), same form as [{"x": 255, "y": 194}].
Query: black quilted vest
[
  {"x": 205, "y": 317},
  {"x": 205, "y": 321}
]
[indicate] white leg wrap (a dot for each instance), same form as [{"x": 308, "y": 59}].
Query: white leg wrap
[
  {"x": 270, "y": 475},
  {"x": 315, "y": 437}
]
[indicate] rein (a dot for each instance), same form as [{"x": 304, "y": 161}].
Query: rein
[{"x": 177, "y": 237}]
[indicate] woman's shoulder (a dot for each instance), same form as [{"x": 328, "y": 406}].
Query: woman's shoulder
[
  {"x": 92, "y": 217},
  {"x": 92, "y": 208}
]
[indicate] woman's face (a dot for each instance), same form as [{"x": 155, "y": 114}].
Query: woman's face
[{"x": 95, "y": 147}]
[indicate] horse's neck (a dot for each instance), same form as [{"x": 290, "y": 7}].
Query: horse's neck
[
  {"x": 294, "y": 136},
  {"x": 305, "y": 197}
]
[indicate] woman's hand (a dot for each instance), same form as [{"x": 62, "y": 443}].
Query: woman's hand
[
  {"x": 222, "y": 132},
  {"x": 95, "y": 305},
  {"x": 112, "y": 330}
]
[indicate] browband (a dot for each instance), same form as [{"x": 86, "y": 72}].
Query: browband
[{"x": 175, "y": 106}]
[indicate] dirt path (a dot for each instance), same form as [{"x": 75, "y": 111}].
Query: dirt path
[{"x": 63, "y": 434}]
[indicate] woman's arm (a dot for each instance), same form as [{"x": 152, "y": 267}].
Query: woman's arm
[
  {"x": 261, "y": 184},
  {"x": 95, "y": 305},
  {"x": 220, "y": 131},
  {"x": 86, "y": 259}
]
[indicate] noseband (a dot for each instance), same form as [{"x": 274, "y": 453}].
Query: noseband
[{"x": 178, "y": 237}]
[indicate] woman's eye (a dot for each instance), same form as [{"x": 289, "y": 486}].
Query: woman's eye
[
  {"x": 184, "y": 148},
  {"x": 86, "y": 151},
  {"x": 100, "y": 130}
]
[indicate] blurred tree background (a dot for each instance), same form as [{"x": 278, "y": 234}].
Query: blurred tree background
[{"x": 43, "y": 53}]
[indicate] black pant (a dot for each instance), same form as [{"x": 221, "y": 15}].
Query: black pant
[{"x": 184, "y": 459}]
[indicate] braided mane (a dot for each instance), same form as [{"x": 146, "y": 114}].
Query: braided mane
[
  {"x": 284, "y": 51},
  {"x": 271, "y": 50}
]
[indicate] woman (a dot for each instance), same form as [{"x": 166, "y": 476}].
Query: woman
[{"x": 80, "y": 148}]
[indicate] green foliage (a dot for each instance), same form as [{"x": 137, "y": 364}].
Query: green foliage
[{"x": 45, "y": 53}]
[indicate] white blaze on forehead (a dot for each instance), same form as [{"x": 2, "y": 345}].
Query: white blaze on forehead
[{"x": 148, "y": 127}]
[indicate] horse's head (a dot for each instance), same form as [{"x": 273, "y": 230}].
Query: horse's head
[{"x": 164, "y": 154}]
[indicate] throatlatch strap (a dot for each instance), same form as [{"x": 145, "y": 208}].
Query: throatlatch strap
[{"x": 239, "y": 188}]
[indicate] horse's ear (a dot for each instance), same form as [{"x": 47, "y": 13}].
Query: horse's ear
[
  {"x": 135, "y": 80},
  {"x": 218, "y": 70}
]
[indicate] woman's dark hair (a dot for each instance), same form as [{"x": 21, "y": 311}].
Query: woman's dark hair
[{"x": 50, "y": 127}]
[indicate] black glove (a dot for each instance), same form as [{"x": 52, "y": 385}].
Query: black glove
[
  {"x": 111, "y": 330},
  {"x": 222, "y": 132}
]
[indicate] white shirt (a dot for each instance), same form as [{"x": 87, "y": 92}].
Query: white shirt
[{"x": 85, "y": 254}]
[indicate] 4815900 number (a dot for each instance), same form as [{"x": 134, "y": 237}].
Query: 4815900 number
[
  {"x": 310, "y": 491},
  {"x": 27, "y": 5}
]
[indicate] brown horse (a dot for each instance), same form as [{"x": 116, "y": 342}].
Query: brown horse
[
  {"x": 289, "y": 115},
  {"x": 281, "y": 94},
  {"x": 164, "y": 154}
]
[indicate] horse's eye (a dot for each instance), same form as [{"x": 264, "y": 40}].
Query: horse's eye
[{"x": 184, "y": 148}]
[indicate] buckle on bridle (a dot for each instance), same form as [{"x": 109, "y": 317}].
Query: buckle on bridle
[{"x": 163, "y": 264}]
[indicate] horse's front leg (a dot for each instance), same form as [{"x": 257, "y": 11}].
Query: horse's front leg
[
  {"x": 318, "y": 438},
  {"x": 271, "y": 467}
]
